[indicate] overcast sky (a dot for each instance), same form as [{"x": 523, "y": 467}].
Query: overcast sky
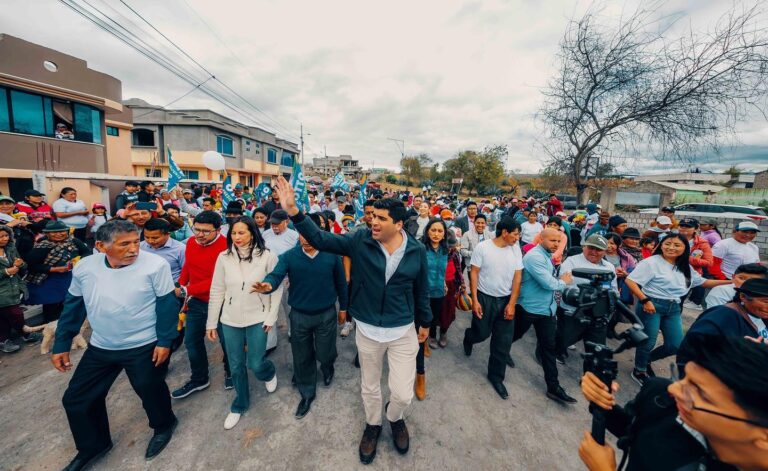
[{"x": 442, "y": 75}]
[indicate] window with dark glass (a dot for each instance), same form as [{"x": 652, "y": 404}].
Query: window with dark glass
[
  {"x": 224, "y": 146},
  {"x": 5, "y": 118},
  {"x": 63, "y": 119},
  {"x": 143, "y": 138},
  {"x": 87, "y": 124},
  {"x": 28, "y": 113},
  {"x": 113, "y": 131},
  {"x": 150, "y": 173},
  {"x": 271, "y": 156},
  {"x": 287, "y": 159},
  {"x": 191, "y": 174}
]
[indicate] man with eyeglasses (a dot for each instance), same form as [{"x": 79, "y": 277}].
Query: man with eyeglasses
[
  {"x": 199, "y": 261},
  {"x": 714, "y": 419}
]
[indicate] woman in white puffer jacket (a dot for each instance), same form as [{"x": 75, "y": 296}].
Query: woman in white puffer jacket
[{"x": 246, "y": 316}]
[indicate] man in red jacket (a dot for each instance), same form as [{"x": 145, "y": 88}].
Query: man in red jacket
[
  {"x": 200, "y": 259},
  {"x": 554, "y": 205}
]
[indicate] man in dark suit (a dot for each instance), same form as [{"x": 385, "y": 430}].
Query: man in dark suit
[{"x": 465, "y": 222}]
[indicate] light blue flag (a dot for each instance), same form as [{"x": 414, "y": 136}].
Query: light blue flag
[
  {"x": 175, "y": 175},
  {"x": 339, "y": 183},
  {"x": 228, "y": 195},
  {"x": 299, "y": 186},
  {"x": 361, "y": 198},
  {"x": 263, "y": 192}
]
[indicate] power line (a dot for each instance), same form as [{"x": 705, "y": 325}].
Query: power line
[
  {"x": 203, "y": 67},
  {"x": 174, "y": 101}
]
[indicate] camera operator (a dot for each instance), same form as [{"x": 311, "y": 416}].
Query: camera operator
[
  {"x": 571, "y": 329},
  {"x": 714, "y": 419}
]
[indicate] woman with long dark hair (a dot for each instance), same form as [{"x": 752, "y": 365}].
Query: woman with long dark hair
[
  {"x": 246, "y": 317},
  {"x": 660, "y": 282},
  {"x": 434, "y": 239}
]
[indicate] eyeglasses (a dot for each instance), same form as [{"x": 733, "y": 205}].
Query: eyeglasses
[
  {"x": 203, "y": 231},
  {"x": 688, "y": 405}
]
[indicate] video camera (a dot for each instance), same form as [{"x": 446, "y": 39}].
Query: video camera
[{"x": 596, "y": 303}]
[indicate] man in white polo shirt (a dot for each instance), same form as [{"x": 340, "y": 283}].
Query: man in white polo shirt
[
  {"x": 128, "y": 297},
  {"x": 279, "y": 238},
  {"x": 735, "y": 251}
]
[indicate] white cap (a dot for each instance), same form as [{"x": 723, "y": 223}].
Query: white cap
[
  {"x": 747, "y": 226},
  {"x": 663, "y": 220}
]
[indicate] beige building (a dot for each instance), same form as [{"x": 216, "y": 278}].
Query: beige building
[
  {"x": 61, "y": 124},
  {"x": 329, "y": 166},
  {"x": 252, "y": 155}
]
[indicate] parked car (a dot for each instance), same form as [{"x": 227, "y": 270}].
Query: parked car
[
  {"x": 704, "y": 210},
  {"x": 569, "y": 201}
]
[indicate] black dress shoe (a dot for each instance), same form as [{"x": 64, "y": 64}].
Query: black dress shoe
[
  {"x": 158, "y": 441},
  {"x": 510, "y": 361},
  {"x": 558, "y": 394},
  {"x": 357, "y": 361},
  {"x": 400, "y": 437},
  {"x": 304, "y": 405},
  {"x": 500, "y": 389},
  {"x": 82, "y": 460},
  {"x": 467, "y": 347},
  {"x": 328, "y": 376}
]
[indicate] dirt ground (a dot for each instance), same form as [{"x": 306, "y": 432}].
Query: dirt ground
[{"x": 462, "y": 424}]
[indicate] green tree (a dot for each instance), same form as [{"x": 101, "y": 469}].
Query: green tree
[
  {"x": 412, "y": 166},
  {"x": 478, "y": 169},
  {"x": 390, "y": 179}
]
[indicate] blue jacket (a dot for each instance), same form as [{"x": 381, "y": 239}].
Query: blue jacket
[
  {"x": 437, "y": 262},
  {"x": 374, "y": 301},
  {"x": 537, "y": 292}
]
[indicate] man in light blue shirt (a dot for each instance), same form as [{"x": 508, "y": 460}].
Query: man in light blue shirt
[
  {"x": 536, "y": 306},
  {"x": 157, "y": 240}
]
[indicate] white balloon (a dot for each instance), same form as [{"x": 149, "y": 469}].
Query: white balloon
[{"x": 213, "y": 160}]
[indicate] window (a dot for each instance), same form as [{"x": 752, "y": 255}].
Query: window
[
  {"x": 112, "y": 131},
  {"x": 271, "y": 156},
  {"x": 287, "y": 159},
  {"x": 87, "y": 124},
  {"x": 5, "y": 119},
  {"x": 28, "y": 114},
  {"x": 224, "y": 146},
  {"x": 743, "y": 210},
  {"x": 156, "y": 173},
  {"x": 191, "y": 174},
  {"x": 709, "y": 208},
  {"x": 143, "y": 138}
]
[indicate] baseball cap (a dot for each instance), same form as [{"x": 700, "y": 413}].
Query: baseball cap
[
  {"x": 6, "y": 198},
  {"x": 663, "y": 220},
  {"x": 597, "y": 241},
  {"x": 689, "y": 222},
  {"x": 667, "y": 209},
  {"x": 747, "y": 226},
  {"x": 33, "y": 192},
  {"x": 446, "y": 214},
  {"x": 278, "y": 216}
]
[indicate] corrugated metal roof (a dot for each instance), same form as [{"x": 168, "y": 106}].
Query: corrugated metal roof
[{"x": 691, "y": 186}]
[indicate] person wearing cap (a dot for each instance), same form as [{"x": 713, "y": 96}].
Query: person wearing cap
[
  {"x": 233, "y": 211},
  {"x": 147, "y": 191},
  {"x": 659, "y": 283},
  {"x": 745, "y": 316},
  {"x": 701, "y": 258},
  {"x": 98, "y": 218},
  {"x": 724, "y": 294},
  {"x": 279, "y": 238},
  {"x": 24, "y": 238},
  {"x": 630, "y": 242},
  {"x": 602, "y": 226},
  {"x": 659, "y": 228},
  {"x": 38, "y": 212},
  {"x": 669, "y": 212},
  {"x": 569, "y": 329},
  {"x": 72, "y": 212},
  {"x": 50, "y": 268},
  {"x": 735, "y": 250},
  {"x": 128, "y": 196},
  {"x": 710, "y": 232},
  {"x": 617, "y": 224}
]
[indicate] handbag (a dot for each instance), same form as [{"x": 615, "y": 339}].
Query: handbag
[{"x": 463, "y": 301}]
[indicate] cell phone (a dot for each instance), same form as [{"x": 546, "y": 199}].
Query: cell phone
[{"x": 146, "y": 206}]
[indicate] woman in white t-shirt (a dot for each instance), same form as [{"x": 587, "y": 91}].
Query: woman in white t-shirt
[
  {"x": 72, "y": 212},
  {"x": 530, "y": 229},
  {"x": 659, "y": 282}
]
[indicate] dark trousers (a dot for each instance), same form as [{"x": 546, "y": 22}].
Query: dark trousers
[
  {"x": 546, "y": 328},
  {"x": 194, "y": 340},
  {"x": 435, "y": 305},
  {"x": 313, "y": 339},
  {"x": 51, "y": 312},
  {"x": 81, "y": 234},
  {"x": 85, "y": 398},
  {"x": 495, "y": 326},
  {"x": 570, "y": 330},
  {"x": 697, "y": 295},
  {"x": 11, "y": 317}
]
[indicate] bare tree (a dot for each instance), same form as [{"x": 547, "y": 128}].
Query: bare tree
[{"x": 631, "y": 89}]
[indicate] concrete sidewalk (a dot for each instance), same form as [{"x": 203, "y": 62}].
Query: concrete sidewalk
[{"x": 461, "y": 425}]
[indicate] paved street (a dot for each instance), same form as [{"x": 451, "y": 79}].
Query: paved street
[{"x": 462, "y": 424}]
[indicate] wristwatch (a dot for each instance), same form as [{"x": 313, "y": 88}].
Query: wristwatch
[{"x": 645, "y": 300}]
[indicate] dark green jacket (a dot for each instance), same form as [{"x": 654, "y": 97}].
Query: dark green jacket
[
  {"x": 11, "y": 287},
  {"x": 399, "y": 302}
]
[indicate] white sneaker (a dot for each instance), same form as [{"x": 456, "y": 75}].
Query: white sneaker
[
  {"x": 692, "y": 305},
  {"x": 272, "y": 384},
  {"x": 231, "y": 420},
  {"x": 347, "y": 329}
]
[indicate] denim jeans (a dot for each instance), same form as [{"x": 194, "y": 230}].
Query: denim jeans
[
  {"x": 194, "y": 340},
  {"x": 235, "y": 339},
  {"x": 667, "y": 318}
]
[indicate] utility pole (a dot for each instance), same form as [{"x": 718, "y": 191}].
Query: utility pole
[
  {"x": 302, "y": 143},
  {"x": 400, "y": 146}
]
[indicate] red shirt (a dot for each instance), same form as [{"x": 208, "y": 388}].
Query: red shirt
[
  {"x": 197, "y": 272},
  {"x": 36, "y": 214}
]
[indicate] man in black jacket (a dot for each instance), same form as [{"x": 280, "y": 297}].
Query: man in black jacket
[
  {"x": 388, "y": 296},
  {"x": 714, "y": 419}
]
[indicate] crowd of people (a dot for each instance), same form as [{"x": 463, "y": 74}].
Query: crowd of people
[{"x": 179, "y": 266}]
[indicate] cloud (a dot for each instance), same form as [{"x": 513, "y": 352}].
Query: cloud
[{"x": 443, "y": 75}]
